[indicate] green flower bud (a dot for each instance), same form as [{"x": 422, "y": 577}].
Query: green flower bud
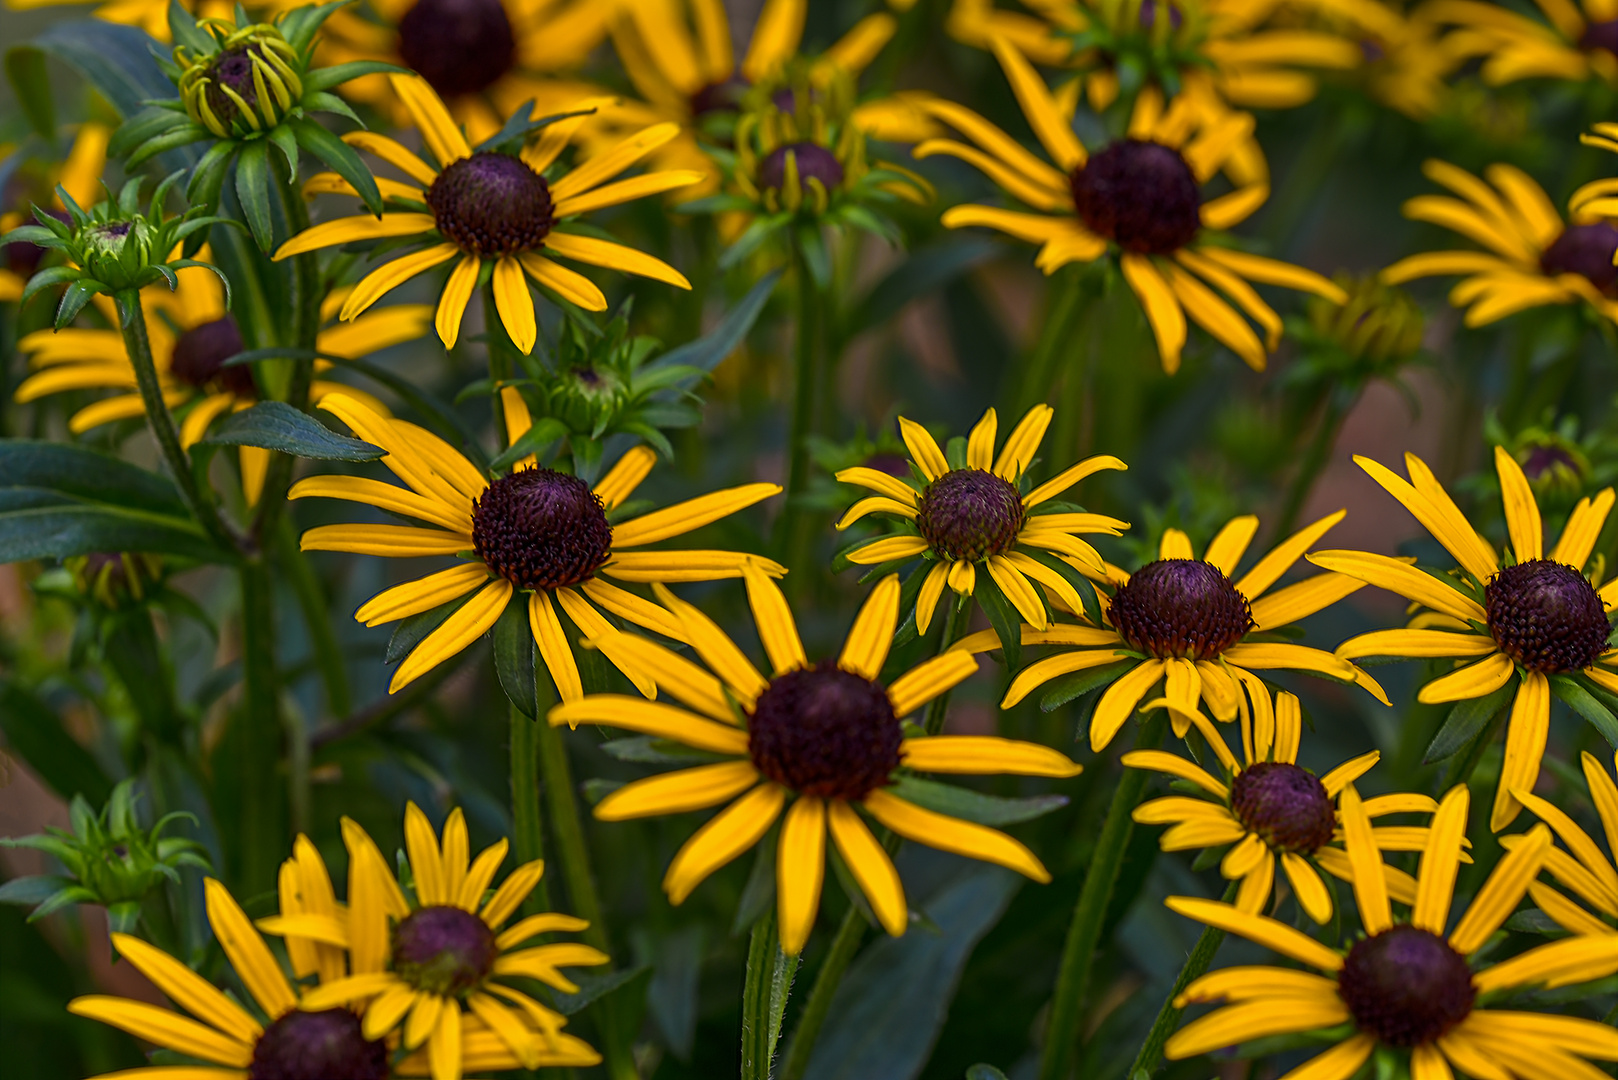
[
  {"x": 114, "y": 579},
  {"x": 250, "y": 84},
  {"x": 1379, "y": 323}
]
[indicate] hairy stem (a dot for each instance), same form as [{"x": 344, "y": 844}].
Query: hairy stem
[
  {"x": 1084, "y": 932},
  {"x": 850, "y": 932},
  {"x": 1168, "y": 1017},
  {"x": 764, "y": 995}
]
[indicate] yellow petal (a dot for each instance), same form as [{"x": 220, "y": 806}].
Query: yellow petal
[
  {"x": 984, "y": 755},
  {"x": 731, "y": 832},
  {"x": 951, "y": 834},
  {"x": 677, "y": 792},
  {"x": 800, "y": 869},
  {"x": 870, "y": 865}
]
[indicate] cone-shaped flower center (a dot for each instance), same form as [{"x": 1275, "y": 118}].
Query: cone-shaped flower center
[
  {"x": 1600, "y": 35},
  {"x": 232, "y": 68},
  {"x": 541, "y": 529},
  {"x": 1586, "y": 250},
  {"x": 1180, "y": 607},
  {"x": 201, "y": 352},
  {"x": 970, "y": 514},
  {"x": 458, "y": 46},
  {"x": 325, "y": 1045},
  {"x": 1546, "y": 616},
  {"x": 824, "y": 731},
  {"x": 719, "y": 97},
  {"x": 1406, "y": 986},
  {"x": 443, "y": 950},
  {"x": 492, "y": 204},
  {"x": 1551, "y": 459},
  {"x": 1142, "y": 195},
  {"x": 1285, "y": 805},
  {"x": 814, "y": 161}
]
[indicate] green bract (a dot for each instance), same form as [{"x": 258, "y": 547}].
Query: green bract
[
  {"x": 112, "y": 247},
  {"x": 248, "y": 86}
]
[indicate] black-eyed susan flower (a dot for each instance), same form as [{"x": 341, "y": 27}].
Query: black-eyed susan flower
[
  {"x": 1270, "y": 810},
  {"x": 825, "y": 736},
  {"x": 975, "y": 517},
  {"x": 1567, "y": 43},
  {"x": 1535, "y": 259},
  {"x": 192, "y": 335},
  {"x": 534, "y": 531},
  {"x": 1533, "y": 618},
  {"x": 1182, "y": 621},
  {"x": 1139, "y": 197},
  {"x": 1583, "y": 869},
  {"x": 79, "y": 174},
  {"x": 1408, "y": 987},
  {"x": 434, "y": 969},
  {"x": 278, "y": 1033},
  {"x": 494, "y": 213}
]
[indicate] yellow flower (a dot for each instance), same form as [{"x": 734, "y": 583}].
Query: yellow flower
[
  {"x": 1534, "y": 258},
  {"x": 434, "y": 971},
  {"x": 79, "y": 174},
  {"x": 534, "y": 530},
  {"x": 1139, "y": 196},
  {"x": 1274, "y": 811},
  {"x": 1405, "y": 986},
  {"x": 280, "y": 1030},
  {"x": 492, "y": 207},
  {"x": 1496, "y": 613},
  {"x": 828, "y": 733},
  {"x": 191, "y": 338},
  {"x": 1582, "y": 869},
  {"x": 1181, "y": 621},
  {"x": 1568, "y": 44},
  {"x": 976, "y": 516},
  {"x": 484, "y": 58},
  {"x": 1213, "y": 50}
]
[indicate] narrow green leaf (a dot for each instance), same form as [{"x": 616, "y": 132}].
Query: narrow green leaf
[
  {"x": 185, "y": 31},
  {"x": 25, "y": 68},
  {"x": 253, "y": 192},
  {"x": 181, "y": 135},
  {"x": 275, "y": 425},
  {"x": 116, "y": 59},
  {"x": 57, "y": 532},
  {"x": 73, "y": 300},
  {"x": 28, "y": 891},
  {"x": 341, "y": 159},
  {"x": 325, "y": 78},
  {"x": 514, "y": 657},
  {"x": 972, "y": 805},
  {"x": 1580, "y": 700},
  {"x": 409, "y": 633},
  {"x": 287, "y": 143},
  {"x": 536, "y": 440},
  {"x": 1467, "y": 721},
  {"x": 1078, "y": 683},
  {"x": 1002, "y": 616},
  {"x": 44, "y": 279}
]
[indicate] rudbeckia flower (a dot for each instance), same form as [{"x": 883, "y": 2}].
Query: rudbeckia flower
[
  {"x": 1568, "y": 44},
  {"x": 1407, "y": 987},
  {"x": 1533, "y": 619},
  {"x": 1582, "y": 869},
  {"x": 79, "y": 174},
  {"x": 1139, "y": 197},
  {"x": 1535, "y": 259},
  {"x": 434, "y": 971},
  {"x": 825, "y": 736},
  {"x": 533, "y": 531},
  {"x": 191, "y": 337},
  {"x": 974, "y": 516},
  {"x": 492, "y": 207},
  {"x": 1269, "y": 810},
  {"x": 1182, "y": 621},
  {"x": 277, "y": 1032}
]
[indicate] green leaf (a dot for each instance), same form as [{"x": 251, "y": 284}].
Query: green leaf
[
  {"x": 412, "y": 631},
  {"x": 28, "y": 891},
  {"x": 1467, "y": 721},
  {"x": 969, "y": 805},
  {"x": 44, "y": 279},
  {"x": 594, "y": 987},
  {"x": 38, "y": 737},
  {"x": 287, "y": 143},
  {"x": 1002, "y": 616},
  {"x": 117, "y": 60},
  {"x": 185, "y": 31},
  {"x": 1580, "y": 700},
  {"x": 253, "y": 192},
  {"x": 25, "y": 68},
  {"x": 180, "y": 135},
  {"x": 706, "y": 352},
  {"x": 57, "y": 532},
  {"x": 514, "y": 657},
  {"x": 522, "y": 124},
  {"x": 82, "y": 473},
  {"x": 435, "y": 414},
  {"x": 275, "y": 425},
  {"x": 535, "y": 440},
  {"x": 341, "y": 159},
  {"x": 146, "y": 124},
  {"x": 208, "y": 178},
  {"x": 73, "y": 300},
  {"x": 650, "y": 750},
  {"x": 1081, "y": 584},
  {"x": 1078, "y": 683},
  {"x": 327, "y": 77}
]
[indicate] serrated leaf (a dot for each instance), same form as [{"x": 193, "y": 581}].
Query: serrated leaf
[
  {"x": 969, "y": 805},
  {"x": 1466, "y": 722},
  {"x": 1078, "y": 683},
  {"x": 275, "y": 425}
]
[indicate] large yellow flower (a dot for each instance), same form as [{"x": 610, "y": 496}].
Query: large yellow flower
[
  {"x": 1534, "y": 258},
  {"x": 1139, "y": 197},
  {"x": 494, "y": 208},
  {"x": 435, "y": 971},
  {"x": 1568, "y": 44},
  {"x": 1534, "y": 618},
  {"x": 1182, "y": 621},
  {"x": 1582, "y": 869},
  {"x": 191, "y": 337},
  {"x": 1406, "y": 986},
  {"x": 974, "y": 515},
  {"x": 534, "y": 530},
  {"x": 1271, "y": 810},
  {"x": 828, "y": 733}
]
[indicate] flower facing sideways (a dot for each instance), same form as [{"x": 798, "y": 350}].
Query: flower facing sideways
[
  {"x": 825, "y": 736},
  {"x": 1582, "y": 869},
  {"x": 534, "y": 531}
]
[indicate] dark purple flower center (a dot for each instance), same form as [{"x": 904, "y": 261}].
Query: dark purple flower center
[
  {"x": 1550, "y": 459},
  {"x": 443, "y": 950},
  {"x": 1148, "y": 15},
  {"x": 1406, "y": 986},
  {"x": 24, "y": 258},
  {"x": 1180, "y": 607},
  {"x": 814, "y": 162},
  {"x": 1546, "y": 616},
  {"x": 1586, "y": 250},
  {"x": 324, "y": 1045},
  {"x": 200, "y": 354},
  {"x": 826, "y": 732},
  {"x": 720, "y": 97},
  {"x": 1285, "y": 805},
  {"x": 1600, "y": 35},
  {"x": 541, "y": 529},
  {"x": 458, "y": 46},
  {"x": 232, "y": 68},
  {"x": 492, "y": 204},
  {"x": 970, "y": 514},
  {"x": 1141, "y": 195}
]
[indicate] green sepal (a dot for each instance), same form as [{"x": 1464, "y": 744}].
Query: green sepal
[
  {"x": 300, "y": 25},
  {"x": 38, "y": 235},
  {"x": 325, "y": 78},
  {"x": 253, "y": 192},
  {"x": 185, "y": 31},
  {"x": 182, "y": 135},
  {"x": 73, "y": 300},
  {"x": 287, "y": 143},
  {"x": 208, "y": 177},
  {"x": 342, "y": 160},
  {"x": 323, "y": 101},
  {"x": 149, "y": 123}
]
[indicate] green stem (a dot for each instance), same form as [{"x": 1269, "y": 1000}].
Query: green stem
[
  {"x": 1168, "y": 1017},
  {"x": 797, "y": 540},
  {"x": 764, "y": 996},
  {"x": 1066, "y": 294},
  {"x": 328, "y": 653},
  {"x": 259, "y": 741},
  {"x": 1315, "y": 457},
  {"x": 527, "y": 823},
  {"x": 954, "y": 627},
  {"x": 1083, "y": 934},
  {"x": 139, "y": 347},
  {"x": 843, "y": 947}
]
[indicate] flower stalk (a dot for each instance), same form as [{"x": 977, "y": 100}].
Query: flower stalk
[
  {"x": 1168, "y": 1017},
  {"x": 764, "y": 997}
]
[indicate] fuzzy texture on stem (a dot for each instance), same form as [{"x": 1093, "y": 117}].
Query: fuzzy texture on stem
[{"x": 764, "y": 997}]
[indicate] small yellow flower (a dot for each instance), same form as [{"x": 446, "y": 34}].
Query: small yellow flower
[{"x": 827, "y": 733}]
